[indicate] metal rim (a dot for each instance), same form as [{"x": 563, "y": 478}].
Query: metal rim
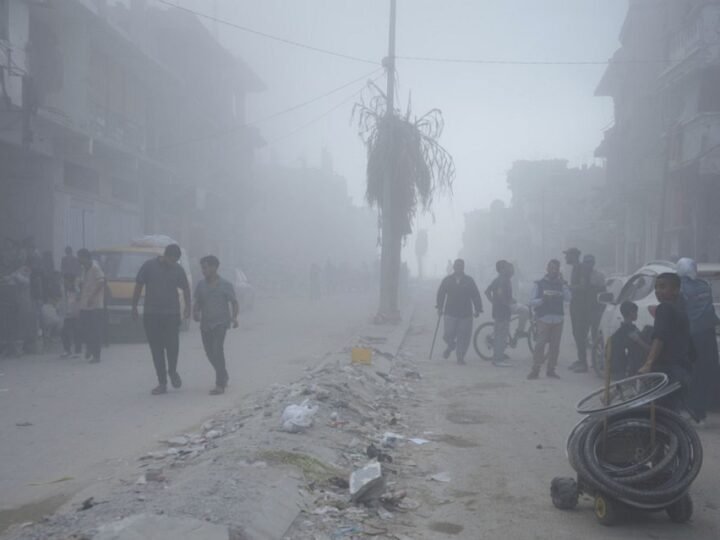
[{"x": 660, "y": 380}]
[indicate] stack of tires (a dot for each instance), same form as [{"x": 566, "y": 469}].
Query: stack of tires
[{"x": 643, "y": 457}]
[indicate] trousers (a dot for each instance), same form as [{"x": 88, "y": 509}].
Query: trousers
[
  {"x": 213, "y": 340},
  {"x": 163, "y": 335},
  {"x": 91, "y": 322},
  {"x": 71, "y": 335},
  {"x": 548, "y": 335},
  {"x": 457, "y": 332},
  {"x": 703, "y": 376}
]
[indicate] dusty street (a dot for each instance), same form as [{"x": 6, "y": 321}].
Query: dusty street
[
  {"x": 501, "y": 440},
  {"x": 86, "y": 421}
]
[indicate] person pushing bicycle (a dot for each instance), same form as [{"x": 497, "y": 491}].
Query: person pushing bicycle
[{"x": 504, "y": 306}]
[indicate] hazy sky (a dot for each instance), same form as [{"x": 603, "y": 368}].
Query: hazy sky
[{"x": 493, "y": 114}]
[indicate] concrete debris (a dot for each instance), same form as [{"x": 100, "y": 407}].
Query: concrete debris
[
  {"x": 441, "y": 477},
  {"x": 151, "y": 527},
  {"x": 177, "y": 441},
  {"x": 155, "y": 475},
  {"x": 367, "y": 483}
]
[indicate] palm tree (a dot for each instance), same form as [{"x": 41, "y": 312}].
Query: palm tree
[{"x": 406, "y": 166}]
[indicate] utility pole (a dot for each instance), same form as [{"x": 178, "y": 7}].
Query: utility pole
[{"x": 390, "y": 252}]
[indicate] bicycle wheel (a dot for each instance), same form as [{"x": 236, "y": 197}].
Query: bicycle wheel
[{"x": 484, "y": 341}]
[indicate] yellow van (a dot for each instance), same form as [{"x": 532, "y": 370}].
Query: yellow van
[{"x": 121, "y": 265}]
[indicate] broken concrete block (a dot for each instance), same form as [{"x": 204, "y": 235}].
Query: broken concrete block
[{"x": 367, "y": 483}]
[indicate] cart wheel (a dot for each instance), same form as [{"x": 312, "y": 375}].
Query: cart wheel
[
  {"x": 681, "y": 511},
  {"x": 608, "y": 511},
  {"x": 564, "y": 493}
]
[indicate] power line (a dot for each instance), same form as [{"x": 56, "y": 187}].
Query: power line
[
  {"x": 266, "y": 35},
  {"x": 235, "y": 128},
  {"x": 525, "y": 62},
  {"x": 321, "y": 116}
]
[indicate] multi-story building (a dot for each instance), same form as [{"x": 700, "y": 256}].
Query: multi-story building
[
  {"x": 662, "y": 151},
  {"x": 119, "y": 119}
]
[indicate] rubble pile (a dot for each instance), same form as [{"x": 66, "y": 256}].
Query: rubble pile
[{"x": 327, "y": 454}]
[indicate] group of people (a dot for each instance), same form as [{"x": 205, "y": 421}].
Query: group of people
[
  {"x": 682, "y": 342},
  {"x": 216, "y": 309}
]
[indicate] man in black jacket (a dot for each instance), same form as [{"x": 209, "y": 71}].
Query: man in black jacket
[{"x": 457, "y": 296}]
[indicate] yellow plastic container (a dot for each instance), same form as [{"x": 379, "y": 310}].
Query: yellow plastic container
[{"x": 361, "y": 355}]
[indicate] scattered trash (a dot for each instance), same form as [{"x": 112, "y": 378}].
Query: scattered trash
[
  {"x": 384, "y": 514},
  {"x": 367, "y": 483},
  {"x": 177, "y": 441},
  {"x": 539, "y": 447},
  {"x": 141, "y": 481},
  {"x": 343, "y": 532},
  {"x": 24, "y": 424},
  {"x": 361, "y": 355},
  {"x": 297, "y": 418},
  {"x": 373, "y": 452},
  {"x": 213, "y": 434},
  {"x": 87, "y": 504},
  {"x": 441, "y": 477},
  {"x": 418, "y": 441},
  {"x": 390, "y": 439}
]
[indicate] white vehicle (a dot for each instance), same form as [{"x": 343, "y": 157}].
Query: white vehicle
[{"x": 640, "y": 289}]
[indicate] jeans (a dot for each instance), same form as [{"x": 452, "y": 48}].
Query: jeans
[
  {"x": 71, "y": 335},
  {"x": 91, "y": 322},
  {"x": 502, "y": 333},
  {"x": 163, "y": 335},
  {"x": 548, "y": 334},
  {"x": 213, "y": 340},
  {"x": 700, "y": 391},
  {"x": 457, "y": 334},
  {"x": 580, "y": 328}
]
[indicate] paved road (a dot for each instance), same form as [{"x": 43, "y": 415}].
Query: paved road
[
  {"x": 501, "y": 439},
  {"x": 88, "y": 420}
]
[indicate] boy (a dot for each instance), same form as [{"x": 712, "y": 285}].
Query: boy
[
  {"x": 213, "y": 298},
  {"x": 626, "y": 348},
  {"x": 499, "y": 292},
  {"x": 670, "y": 351}
]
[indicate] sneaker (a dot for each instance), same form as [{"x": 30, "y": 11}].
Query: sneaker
[
  {"x": 552, "y": 375},
  {"x": 701, "y": 424},
  {"x": 175, "y": 380},
  {"x": 217, "y": 391},
  {"x": 65, "y": 355},
  {"x": 533, "y": 375},
  {"x": 94, "y": 360},
  {"x": 520, "y": 335},
  {"x": 446, "y": 353},
  {"x": 159, "y": 389},
  {"x": 502, "y": 363},
  {"x": 582, "y": 368},
  {"x": 575, "y": 365}
]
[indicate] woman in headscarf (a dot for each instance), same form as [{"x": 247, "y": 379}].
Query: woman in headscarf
[{"x": 698, "y": 299}]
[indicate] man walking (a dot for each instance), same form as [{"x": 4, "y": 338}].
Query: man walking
[
  {"x": 162, "y": 277},
  {"x": 213, "y": 298},
  {"x": 456, "y": 297},
  {"x": 548, "y": 300},
  {"x": 698, "y": 298},
  {"x": 91, "y": 305},
  {"x": 70, "y": 265}
]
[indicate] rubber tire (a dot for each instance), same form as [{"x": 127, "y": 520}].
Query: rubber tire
[
  {"x": 681, "y": 511},
  {"x": 476, "y": 336},
  {"x": 564, "y": 493},
  {"x": 608, "y": 511}
]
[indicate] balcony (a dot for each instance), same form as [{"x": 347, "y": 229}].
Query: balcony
[
  {"x": 699, "y": 140},
  {"x": 698, "y": 38}
]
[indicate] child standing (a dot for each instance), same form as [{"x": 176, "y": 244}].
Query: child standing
[
  {"x": 71, "y": 318},
  {"x": 626, "y": 348}
]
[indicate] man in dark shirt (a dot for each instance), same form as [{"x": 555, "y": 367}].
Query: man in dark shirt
[
  {"x": 456, "y": 297},
  {"x": 670, "y": 351},
  {"x": 162, "y": 277}
]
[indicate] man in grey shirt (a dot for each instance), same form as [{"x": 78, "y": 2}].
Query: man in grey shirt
[{"x": 213, "y": 298}]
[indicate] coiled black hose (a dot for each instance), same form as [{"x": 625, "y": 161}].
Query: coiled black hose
[{"x": 642, "y": 475}]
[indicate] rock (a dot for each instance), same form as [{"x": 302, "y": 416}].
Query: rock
[
  {"x": 367, "y": 483},
  {"x": 141, "y": 481},
  {"x": 208, "y": 425},
  {"x": 152, "y": 527},
  {"x": 322, "y": 395},
  {"x": 213, "y": 434},
  {"x": 177, "y": 441},
  {"x": 441, "y": 477}
]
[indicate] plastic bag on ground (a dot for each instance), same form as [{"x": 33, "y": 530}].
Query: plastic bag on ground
[{"x": 297, "y": 418}]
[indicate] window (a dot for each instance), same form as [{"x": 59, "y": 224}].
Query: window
[
  {"x": 710, "y": 91},
  {"x": 637, "y": 288},
  {"x": 122, "y": 265}
]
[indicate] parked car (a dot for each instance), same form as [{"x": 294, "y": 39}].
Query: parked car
[
  {"x": 640, "y": 288},
  {"x": 244, "y": 291}
]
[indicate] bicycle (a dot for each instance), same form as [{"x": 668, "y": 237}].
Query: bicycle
[{"x": 484, "y": 338}]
